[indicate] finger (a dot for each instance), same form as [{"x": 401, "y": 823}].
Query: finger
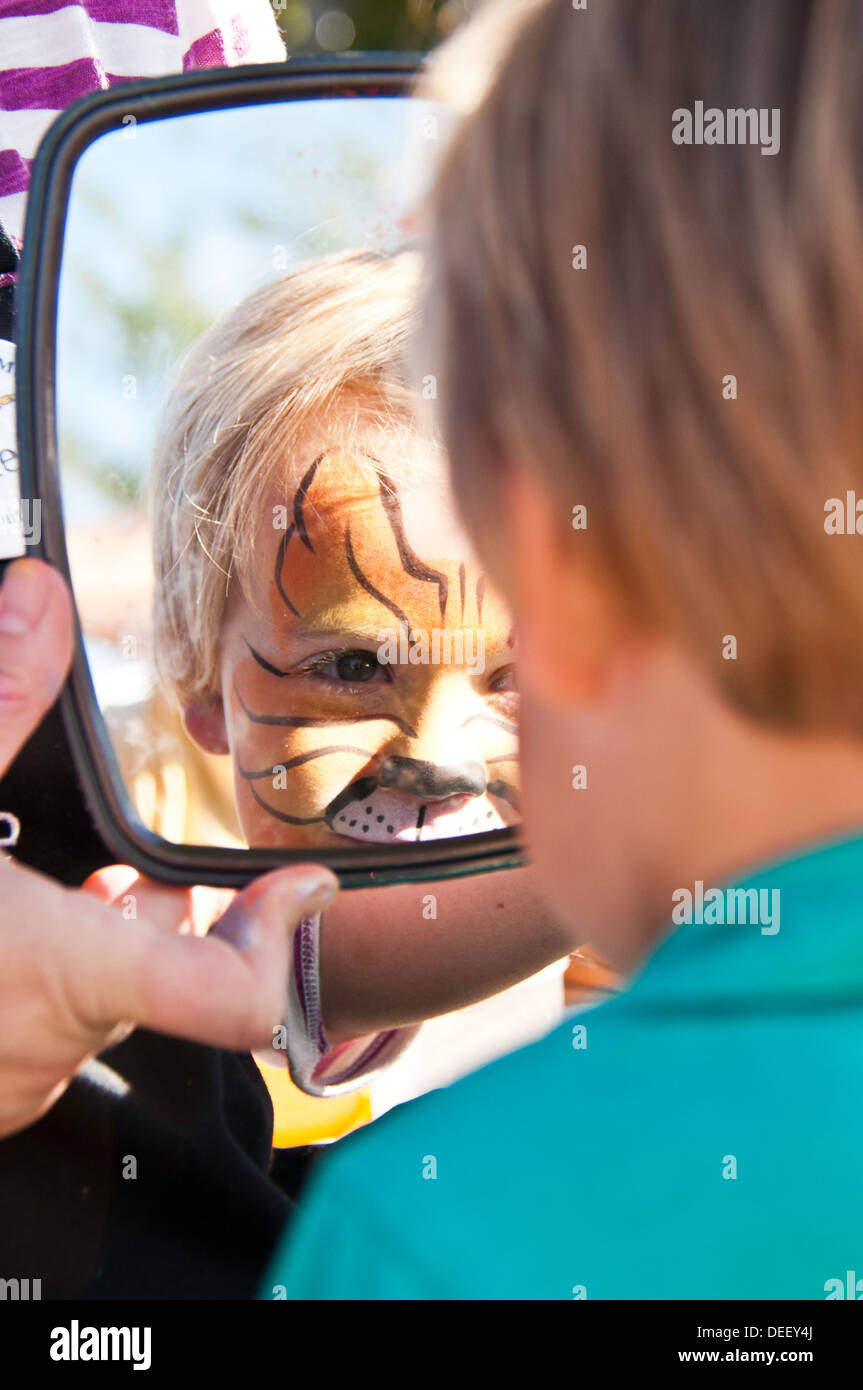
[
  {"x": 189, "y": 910},
  {"x": 230, "y": 989},
  {"x": 110, "y": 883},
  {"x": 227, "y": 990},
  {"x": 36, "y": 641}
]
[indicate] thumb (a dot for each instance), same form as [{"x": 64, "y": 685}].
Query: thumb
[
  {"x": 35, "y": 649},
  {"x": 228, "y": 989}
]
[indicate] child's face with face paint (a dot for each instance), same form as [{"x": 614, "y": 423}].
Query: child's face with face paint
[{"x": 367, "y": 668}]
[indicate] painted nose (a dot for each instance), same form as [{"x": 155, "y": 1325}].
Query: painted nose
[{"x": 433, "y": 781}]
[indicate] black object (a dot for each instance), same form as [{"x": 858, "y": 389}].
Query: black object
[
  {"x": 40, "y": 787},
  {"x": 372, "y": 76},
  {"x": 147, "y": 1179},
  {"x": 8, "y": 265}
]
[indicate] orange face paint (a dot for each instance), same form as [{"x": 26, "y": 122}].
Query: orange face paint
[{"x": 374, "y": 700}]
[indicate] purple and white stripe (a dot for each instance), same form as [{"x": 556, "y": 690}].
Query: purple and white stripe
[{"x": 52, "y": 51}]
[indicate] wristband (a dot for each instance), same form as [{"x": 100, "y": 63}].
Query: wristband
[{"x": 315, "y": 1066}]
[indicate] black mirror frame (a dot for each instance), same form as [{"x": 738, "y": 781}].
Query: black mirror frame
[{"x": 373, "y": 75}]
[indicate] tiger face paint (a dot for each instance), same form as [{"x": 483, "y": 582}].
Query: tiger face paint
[{"x": 368, "y": 683}]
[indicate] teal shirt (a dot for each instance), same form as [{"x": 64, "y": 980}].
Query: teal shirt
[{"x": 701, "y": 1138}]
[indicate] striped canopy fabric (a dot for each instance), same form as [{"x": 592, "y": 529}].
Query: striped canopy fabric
[{"x": 53, "y": 51}]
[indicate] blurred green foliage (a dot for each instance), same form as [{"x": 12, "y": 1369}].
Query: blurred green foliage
[{"x": 320, "y": 26}]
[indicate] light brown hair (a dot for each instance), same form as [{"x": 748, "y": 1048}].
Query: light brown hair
[
  {"x": 322, "y": 346},
  {"x": 611, "y": 383}
]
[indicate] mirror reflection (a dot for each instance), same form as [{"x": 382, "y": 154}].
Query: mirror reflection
[{"x": 290, "y": 640}]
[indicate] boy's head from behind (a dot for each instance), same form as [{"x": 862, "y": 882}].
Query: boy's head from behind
[
  {"x": 649, "y": 355},
  {"x": 319, "y": 614}
]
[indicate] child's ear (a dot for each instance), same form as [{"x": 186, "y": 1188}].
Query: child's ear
[
  {"x": 567, "y": 626},
  {"x": 204, "y": 722}
]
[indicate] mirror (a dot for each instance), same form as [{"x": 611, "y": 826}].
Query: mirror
[{"x": 287, "y": 644}]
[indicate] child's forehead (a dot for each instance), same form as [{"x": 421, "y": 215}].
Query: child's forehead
[
  {"x": 349, "y": 483},
  {"x": 363, "y": 536}
]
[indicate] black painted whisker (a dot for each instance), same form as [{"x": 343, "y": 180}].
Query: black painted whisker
[
  {"x": 296, "y": 721},
  {"x": 299, "y": 760}
]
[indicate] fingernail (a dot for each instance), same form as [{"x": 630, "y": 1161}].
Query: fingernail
[
  {"x": 23, "y": 600},
  {"x": 239, "y": 924},
  {"x": 321, "y": 889}
]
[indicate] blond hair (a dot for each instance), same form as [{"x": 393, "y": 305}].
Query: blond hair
[
  {"x": 323, "y": 345},
  {"x": 699, "y": 385}
]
